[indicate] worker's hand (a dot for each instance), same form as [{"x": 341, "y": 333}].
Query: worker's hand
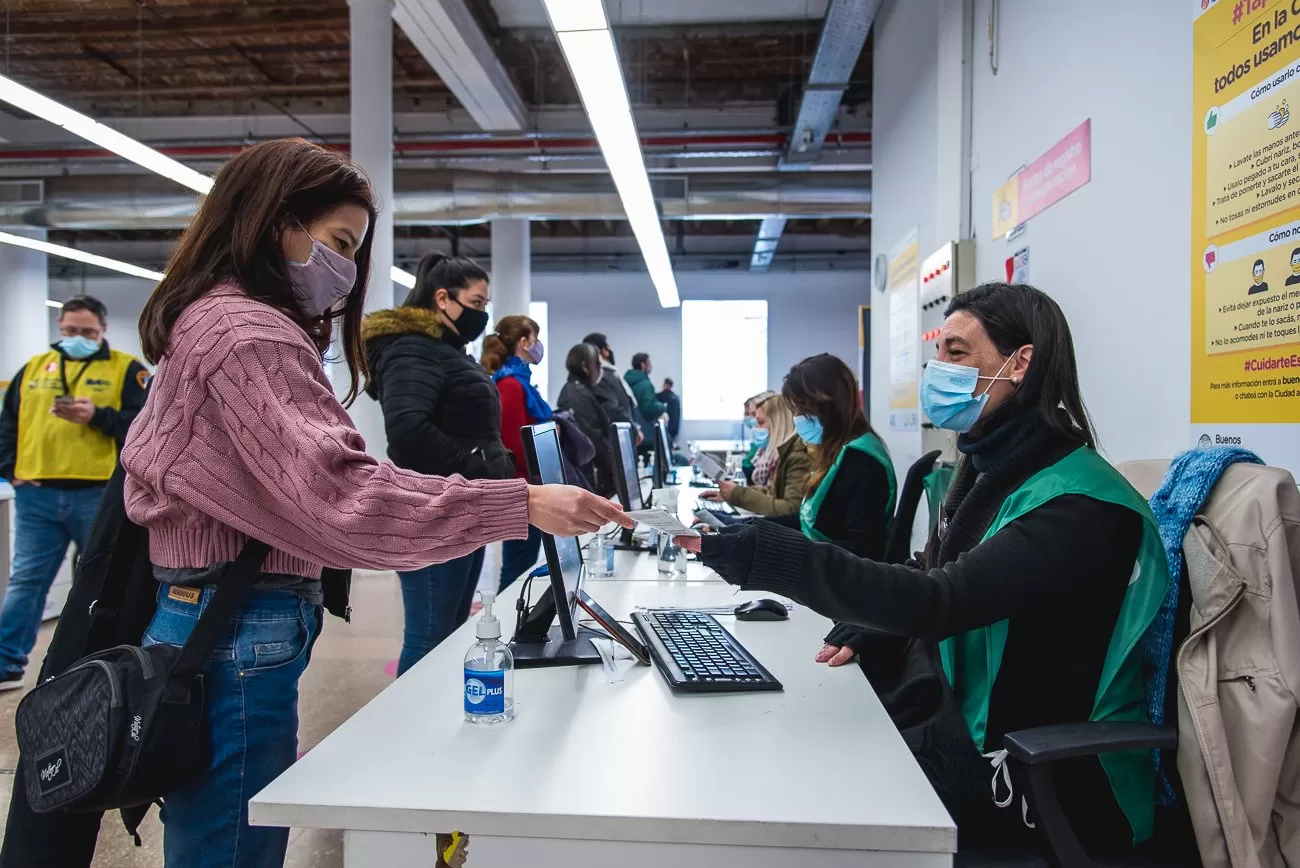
[
  {"x": 690, "y": 543},
  {"x": 836, "y": 655},
  {"x": 78, "y": 411},
  {"x": 566, "y": 510},
  {"x": 725, "y": 488},
  {"x": 710, "y": 494},
  {"x": 17, "y": 482},
  {"x": 640, "y": 438}
]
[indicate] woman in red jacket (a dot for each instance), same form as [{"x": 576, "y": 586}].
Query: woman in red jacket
[{"x": 509, "y": 354}]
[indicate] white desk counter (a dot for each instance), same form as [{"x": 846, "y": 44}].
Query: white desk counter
[{"x": 593, "y": 774}]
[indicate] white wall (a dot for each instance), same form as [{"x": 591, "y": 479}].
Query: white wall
[
  {"x": 123, "y": 296},
  {"x": 1113, "y": 254},
  {"x": 807, "y": 313}
]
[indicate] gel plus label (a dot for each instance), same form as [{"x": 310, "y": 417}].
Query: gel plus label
[{"x": 485, "y": 692}]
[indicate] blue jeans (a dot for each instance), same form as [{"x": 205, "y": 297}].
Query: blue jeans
[
  {"x": 436, "y": 600},
  {"x": 518, "y": 556},
  {"x": 251, "y": 681},
  {"x": 45, "y": 520}
]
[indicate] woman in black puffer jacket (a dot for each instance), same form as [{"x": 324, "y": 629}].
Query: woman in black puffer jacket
[{"x": 442, "y": 415}]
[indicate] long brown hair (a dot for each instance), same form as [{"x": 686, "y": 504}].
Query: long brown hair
[
  {"x": 823, "y": 386},
  {"x": 236, "y": 236},
  {"x": 502, "y": 343}
]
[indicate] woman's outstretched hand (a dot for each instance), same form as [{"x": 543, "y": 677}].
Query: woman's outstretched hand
[{"x": 566, "y": 510}]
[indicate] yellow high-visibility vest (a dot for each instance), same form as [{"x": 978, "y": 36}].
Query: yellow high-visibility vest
[{"x": 51, "y": 448}]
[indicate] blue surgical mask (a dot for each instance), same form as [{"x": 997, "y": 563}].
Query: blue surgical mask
[
  {"x": 809, "y": 428},
  {"x": 78, "y": 347},
  {"x": 750, "y": 422},
  {"x": 948, "y": 394},
  {"x": 760, "y": 436}
]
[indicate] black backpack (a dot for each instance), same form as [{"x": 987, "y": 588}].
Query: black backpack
[{"x": 124, "y": 727}]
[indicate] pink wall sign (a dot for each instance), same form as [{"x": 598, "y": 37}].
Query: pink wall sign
[{"x": 1066, "y": 167}]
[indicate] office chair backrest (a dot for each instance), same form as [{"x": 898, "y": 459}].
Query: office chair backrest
[
  {"x": 900, "y": 531},
  {"x": 1146, "y": 476}
]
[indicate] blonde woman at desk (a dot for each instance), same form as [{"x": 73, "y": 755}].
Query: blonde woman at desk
[{"x": 784, "y": 460}]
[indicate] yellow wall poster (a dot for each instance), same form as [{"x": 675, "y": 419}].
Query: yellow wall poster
[
  {"x": 904, "y": 333},
  {"x": 1246, "y": 226}
]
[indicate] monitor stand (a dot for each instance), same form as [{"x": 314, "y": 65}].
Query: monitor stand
[
  {"x": 627, "y": 543},
  {"x": 556, "y": 650}
]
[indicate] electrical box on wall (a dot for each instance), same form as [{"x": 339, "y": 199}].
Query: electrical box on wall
[{"x": 944, "y": 273}]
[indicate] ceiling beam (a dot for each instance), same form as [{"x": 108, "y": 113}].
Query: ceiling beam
[
  {"x": 446, "y": 33},
  {"x": 844, "y": 33}
]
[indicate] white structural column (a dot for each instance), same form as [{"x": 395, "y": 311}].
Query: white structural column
[
  {"x": 24, "y": 316},
  {"x": 512, "y": 266},
  {"x": 953, "y": 71},
  {"x": 372, "y": 150}
]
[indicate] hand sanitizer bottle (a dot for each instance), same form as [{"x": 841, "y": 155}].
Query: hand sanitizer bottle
[{"x": 489, "y": 671}]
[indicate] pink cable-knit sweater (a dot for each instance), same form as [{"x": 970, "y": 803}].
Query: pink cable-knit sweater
[{"x": 242, "y": 435}]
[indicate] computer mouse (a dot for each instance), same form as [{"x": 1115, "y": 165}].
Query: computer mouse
[{"x": 762, "y": 610}]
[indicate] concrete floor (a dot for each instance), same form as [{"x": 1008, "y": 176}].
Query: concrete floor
[{"x": 346, "y": 672}]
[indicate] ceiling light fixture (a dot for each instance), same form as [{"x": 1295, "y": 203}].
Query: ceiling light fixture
[
  {"x": 582, "y": 30},
  {"x": 124, "y": 146},
  {"x": 79, "y": 256}
]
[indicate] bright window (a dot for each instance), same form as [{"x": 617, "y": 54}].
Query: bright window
[{"x": 724, "y": 357}]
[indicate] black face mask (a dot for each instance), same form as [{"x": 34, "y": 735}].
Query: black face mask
[{"x": 471, "y": 323}]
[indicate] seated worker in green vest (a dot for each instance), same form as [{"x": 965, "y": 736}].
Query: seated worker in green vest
[
  {"x": 780, "y": 477},
  {"x": 1044, "y": 573},
  {"x": 65, "y": 415}
]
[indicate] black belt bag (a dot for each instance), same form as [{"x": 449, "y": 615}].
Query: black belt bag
[{"x": 127, "y": 726}]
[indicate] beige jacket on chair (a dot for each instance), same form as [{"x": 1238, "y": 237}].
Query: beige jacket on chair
[{"x": 1239, "y": 672}]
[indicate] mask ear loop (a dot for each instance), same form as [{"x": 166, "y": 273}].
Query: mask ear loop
[{"x": 998, "y": 375}]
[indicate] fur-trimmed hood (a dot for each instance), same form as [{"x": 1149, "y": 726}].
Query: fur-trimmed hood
[{"x": 402, "y": 321}]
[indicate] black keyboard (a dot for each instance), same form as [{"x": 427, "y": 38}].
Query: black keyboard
[{"x": 697, "y": 655}]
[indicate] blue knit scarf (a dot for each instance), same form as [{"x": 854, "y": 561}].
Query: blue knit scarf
[
  {"x": 1187, "y": 485},
  {"x": 538, "y": 409}
]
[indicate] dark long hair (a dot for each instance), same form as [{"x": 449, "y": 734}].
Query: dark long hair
[
  {"x": 1016, "y": 315},
  {"x": 583, "y": 362},
  {"x": 439, "y": 271},
  {"x": 823, "y": 386},
  {"x": 502, "y": 343},
  {"x": 236, "y": 236}
]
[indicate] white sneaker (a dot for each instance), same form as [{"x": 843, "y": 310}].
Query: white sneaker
[{"x": 13, "y": 682}]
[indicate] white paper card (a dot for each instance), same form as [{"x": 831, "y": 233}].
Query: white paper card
[{"x": 661, "y": 520}]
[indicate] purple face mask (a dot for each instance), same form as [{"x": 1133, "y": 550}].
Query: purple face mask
[
  {"x": 322, "y": 281},
  {"x": 535, "y": 352}
]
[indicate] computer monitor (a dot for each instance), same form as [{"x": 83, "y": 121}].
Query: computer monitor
[
  {"x": 537, "y": 642},
  {"x": 627, "y": 481},
  {"x": 663, "y": 469}
]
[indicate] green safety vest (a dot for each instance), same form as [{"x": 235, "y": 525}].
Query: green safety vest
[
  {"x": 971, "y": 660},
  {"x": 873, "y": 446}
]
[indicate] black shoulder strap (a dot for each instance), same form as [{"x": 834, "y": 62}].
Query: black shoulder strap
[{"x": 232, "y": 588}]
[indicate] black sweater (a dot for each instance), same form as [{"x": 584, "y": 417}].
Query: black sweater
[
  {"x": 854, "y": 514},
  {"x": 1057, "y": 574},
  {"x": 442, "y": 412},
  {"x": 578, "y": 396}
]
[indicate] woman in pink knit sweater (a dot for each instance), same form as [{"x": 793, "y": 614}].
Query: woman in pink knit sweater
[{"x": 242, "y": 437}]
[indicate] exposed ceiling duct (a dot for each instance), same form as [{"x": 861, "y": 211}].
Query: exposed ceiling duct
[
  {"x": 448, "y": 198},
  {"x": 844, "y": 33}
]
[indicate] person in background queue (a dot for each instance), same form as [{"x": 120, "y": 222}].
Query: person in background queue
[
  {"x": 579, "y": 395},
  {"x": 66, "y": 413},
  {"x": 615, "y": 395},
  {"x": 673, "y": 404},
  {"x": 442, "y": 415},
  {"x": 1045, "y": 571},
  {"x": 643, "y": 391},
  {"x": 242, "y": 437},
  {"x": 783, "y": 466},
  {"x": 509, "y": 354}
]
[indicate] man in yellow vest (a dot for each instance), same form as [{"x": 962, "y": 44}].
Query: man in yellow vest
[{"x": 65, "y": 416}]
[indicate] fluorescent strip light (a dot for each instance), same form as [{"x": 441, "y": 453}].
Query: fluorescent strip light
[
  {"x": 570, "y": 15},
  {"x": 124, "y": 146},
  {"x": 106, "y": 137},
  {"x": 49, "y": 302},
  {"x": 599, "y": 78},
  {"x": 79, "y": 256},
  {"x": 403, "y": 277}
]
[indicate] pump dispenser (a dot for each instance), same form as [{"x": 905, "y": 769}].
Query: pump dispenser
[{"x": 489, "y": 671}]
